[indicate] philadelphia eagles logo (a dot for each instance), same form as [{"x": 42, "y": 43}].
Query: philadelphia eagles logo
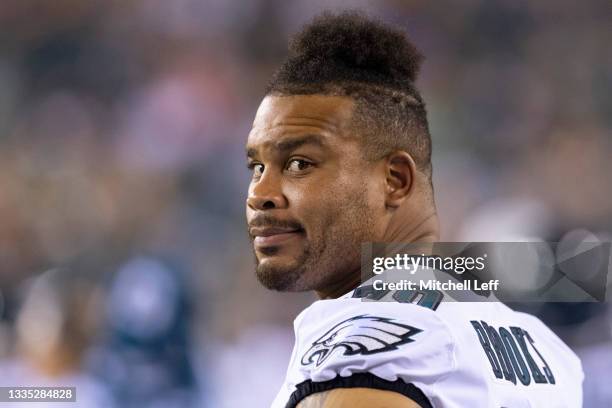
[{"x": 361, "y": 334}]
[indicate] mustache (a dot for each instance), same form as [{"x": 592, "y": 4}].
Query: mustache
[{"x": 267, "y": 221}]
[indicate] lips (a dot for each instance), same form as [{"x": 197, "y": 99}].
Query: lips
[{"x": 273, "y": 236}]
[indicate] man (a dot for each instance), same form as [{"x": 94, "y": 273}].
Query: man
[{"x": 340, "y": 154}]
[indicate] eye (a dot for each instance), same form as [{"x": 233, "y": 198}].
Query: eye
[
  {"x": 298, "y": 165},
  {"x": 257, "y": 169},
  {"x": 330, "y": 339}
]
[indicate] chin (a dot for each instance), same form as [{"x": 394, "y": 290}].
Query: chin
[{"x": 281, "y": 274}]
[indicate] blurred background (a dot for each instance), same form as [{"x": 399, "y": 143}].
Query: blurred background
[{"x": 125, "y": 267}]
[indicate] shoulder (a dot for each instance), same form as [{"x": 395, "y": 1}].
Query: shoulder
[
  {"x": 349, "y": 343},
  {"x": 337, "y": 329},
  {"x": 559, "y": 349}
]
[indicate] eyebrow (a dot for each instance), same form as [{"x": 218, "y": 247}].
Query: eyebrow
[{"x": 286, "y": 145}]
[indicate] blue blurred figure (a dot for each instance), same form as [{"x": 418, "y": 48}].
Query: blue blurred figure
[{"x": 145, "y": 357}]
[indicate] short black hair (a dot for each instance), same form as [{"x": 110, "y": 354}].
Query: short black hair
[{"x": 349, "y": 54}]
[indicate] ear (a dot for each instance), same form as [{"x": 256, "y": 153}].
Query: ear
[{"x": 400, "y": 175}]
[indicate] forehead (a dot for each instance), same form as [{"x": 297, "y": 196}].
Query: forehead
[{"x": 283, "y": 116}]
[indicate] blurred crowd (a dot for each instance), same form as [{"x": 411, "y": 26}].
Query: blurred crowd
[{"x": 125, "y": 266}]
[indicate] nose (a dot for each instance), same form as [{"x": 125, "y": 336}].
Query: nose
[{"x": 266, "y": 194}]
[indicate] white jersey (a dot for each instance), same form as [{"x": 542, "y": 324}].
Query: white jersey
[{"x": 440, "y": 354}]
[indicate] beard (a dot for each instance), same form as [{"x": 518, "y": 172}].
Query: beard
[
  {"x": 331, "y": 253},
  {"x": 282, "y": 278}
]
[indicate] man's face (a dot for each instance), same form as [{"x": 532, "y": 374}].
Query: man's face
[{"x": 313, "y": 198}]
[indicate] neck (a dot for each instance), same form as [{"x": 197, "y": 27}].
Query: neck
[
  {"x": 424, "y": 230},
  {"x": 339, "y": 288},
  {"x": 403, "y": 228}
]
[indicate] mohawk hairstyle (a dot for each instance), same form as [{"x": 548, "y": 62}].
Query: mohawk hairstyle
[{"x": 350, "y": 55}]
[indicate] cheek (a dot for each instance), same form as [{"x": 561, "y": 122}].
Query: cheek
[
  {"x": 362, "y": 190},
  {"x": 359, "y": 206},
  {"x": 315, "y": 203},
  {"x": 309, "y": 202},
  {"x": 343, "y": 200},
  {"x": 340, "y": 205}
]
